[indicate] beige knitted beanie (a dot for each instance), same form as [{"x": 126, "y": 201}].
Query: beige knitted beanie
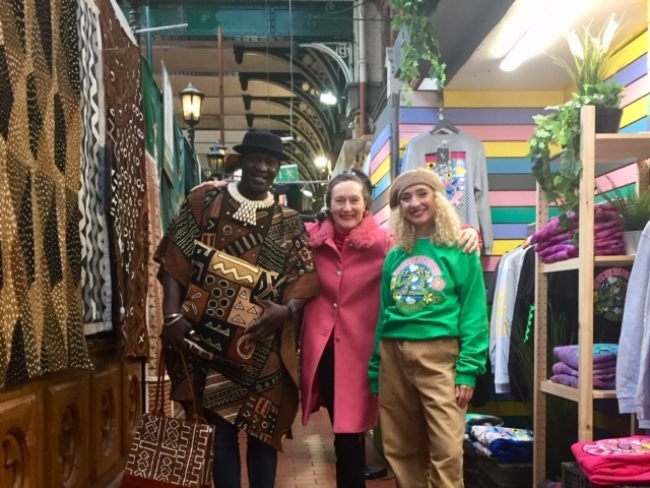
[{"x": 418, "y": 176}]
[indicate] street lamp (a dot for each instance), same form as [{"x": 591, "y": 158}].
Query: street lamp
[
  {"x": 216, "y": 160},
  {"x": 191, "y": 99}
]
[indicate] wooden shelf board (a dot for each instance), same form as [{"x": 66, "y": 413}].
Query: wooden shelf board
[
  {"x": 562, "y": 391},
  {"x": 574, "y": 263},
  {"x": 571, "y": 393},
  {"x": 615, "y": 147}
]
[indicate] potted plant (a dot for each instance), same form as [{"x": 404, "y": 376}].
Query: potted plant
[
  {"x": 561, "y": 129},
  {"x": 590, "y": 56},
  {"x": 421, "y": 54},
  {"x": 634, "y": 210}
]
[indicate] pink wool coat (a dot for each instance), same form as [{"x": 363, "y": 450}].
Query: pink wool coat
[{"x": 346, "y": 308}]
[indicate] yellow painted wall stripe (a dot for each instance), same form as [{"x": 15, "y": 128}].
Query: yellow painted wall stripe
[
  {"x": 630, "y": 52},
  {"x": 381, "y": 171},
  {"x": 507, "y": 149},
  {"x": 503, "y": 99},
  {"x": 499, "y": 149},
  {"x": 635, "y": 111},
  {"x": 502, "y": 246}
]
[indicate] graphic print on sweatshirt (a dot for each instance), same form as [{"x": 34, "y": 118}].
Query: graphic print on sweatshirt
[
  {"x": 453, "y": 174},
  {"x": 416, "y": 283}
]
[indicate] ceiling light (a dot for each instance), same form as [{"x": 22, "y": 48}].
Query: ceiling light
[
  {"x": 328, "y": 98},
  {"x": 287, "y": 139},
  {"x": 548, "y": 24},
  {"x": 321, "y": 162},
  {"x": 307, "y": 193}
]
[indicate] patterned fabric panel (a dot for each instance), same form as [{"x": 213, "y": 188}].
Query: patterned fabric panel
[
  {"x": 172, "y": 451},
  {"x": 40, "y": 141},
  {"x": 128, "y": 216},
  {"x": 219, "y": 302},
  {"x": 95, "y": 255},
  {"x": 155, "y": 298}
]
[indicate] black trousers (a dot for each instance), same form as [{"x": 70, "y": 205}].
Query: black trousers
[{"x": 350, "y": 449}]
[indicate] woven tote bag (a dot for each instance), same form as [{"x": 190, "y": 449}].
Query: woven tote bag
[{"x": 168, "y": 452}]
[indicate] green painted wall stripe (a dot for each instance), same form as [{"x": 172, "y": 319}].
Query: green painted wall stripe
[{"x": 525, "y": 215}]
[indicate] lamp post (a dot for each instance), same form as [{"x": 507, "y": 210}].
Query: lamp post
[
  {"x": 191, "y": 99},
  {"x": 216, "y": 160}
]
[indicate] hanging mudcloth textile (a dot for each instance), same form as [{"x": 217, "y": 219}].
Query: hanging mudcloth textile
[
  {"x": 93, "y": 204},
  {"x": 40, "y": 140},
  {"x": 125, "y": 149}
]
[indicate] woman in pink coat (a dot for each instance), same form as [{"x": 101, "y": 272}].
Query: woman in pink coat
[{"x": 349, "y": 250}]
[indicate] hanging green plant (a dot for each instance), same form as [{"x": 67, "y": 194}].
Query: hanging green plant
[
  {"x": 562, "y": 127},
  {"x": 421, "y": 50}
]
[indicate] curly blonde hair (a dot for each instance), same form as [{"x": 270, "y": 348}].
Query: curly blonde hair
[{"x": 446, "y": 226}]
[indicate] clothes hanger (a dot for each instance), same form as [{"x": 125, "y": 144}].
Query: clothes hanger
[{"x": 444, "y": 125}]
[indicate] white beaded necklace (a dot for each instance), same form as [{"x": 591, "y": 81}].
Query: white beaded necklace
[{"x": 248, "y": 208}]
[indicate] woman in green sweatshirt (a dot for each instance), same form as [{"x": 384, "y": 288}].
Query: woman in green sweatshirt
[{"x": 432, "y": 336}]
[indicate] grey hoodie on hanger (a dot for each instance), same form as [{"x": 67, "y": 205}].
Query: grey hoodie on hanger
[{"x": 464, "y": 175}]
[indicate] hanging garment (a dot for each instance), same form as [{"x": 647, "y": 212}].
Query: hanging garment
[
  {"x": 502, "y": 313},
  {"x": 633, "y": 372},
  {"x": 40, "y": 141},
  {"x": 93, "y": 205},
  {"x": 464, "y": 175},
  {"x": 128, "y": 217}
]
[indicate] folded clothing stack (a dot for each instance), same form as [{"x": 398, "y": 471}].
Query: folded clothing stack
[
  {"x": 503, "y": 444},
  {"x": 553, "y": 243},
  {"x": 604, "y": 366},
  {"x": 613, "y": 462}
]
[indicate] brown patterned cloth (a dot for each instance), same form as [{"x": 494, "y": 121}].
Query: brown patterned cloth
[
  {"x": 262, "y": 397},
  {"x": 40, "y": 155},
  {"x": 129, "y": 221}
]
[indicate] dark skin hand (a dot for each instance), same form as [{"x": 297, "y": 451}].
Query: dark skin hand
[
  {"x": 274, "y": 317},
  {"x": 173, "y": 335}
]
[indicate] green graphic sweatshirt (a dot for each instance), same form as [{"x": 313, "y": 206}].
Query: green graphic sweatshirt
[{"x": 433, "y": 293}]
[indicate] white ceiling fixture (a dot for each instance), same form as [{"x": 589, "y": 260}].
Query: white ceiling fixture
[
  {"x": 534, "y": 25},
  {"x": 328, "y": 98}
]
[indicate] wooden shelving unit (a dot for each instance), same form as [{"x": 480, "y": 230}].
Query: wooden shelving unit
[{"x": 594, "y": 149}]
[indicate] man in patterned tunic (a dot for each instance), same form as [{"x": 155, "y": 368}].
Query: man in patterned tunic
[{"x": 257, "y": 390}]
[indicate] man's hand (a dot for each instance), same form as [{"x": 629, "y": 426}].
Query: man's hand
[
  {"x": 464, "y": 394},
  {"x": 210, "y": 184},
  {"x": 173, "y": 335},
  {"x": 272, "y": 319},
  {"x": 469, "y": 240}
]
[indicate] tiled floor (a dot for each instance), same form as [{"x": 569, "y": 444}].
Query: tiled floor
[{"x": 308, "y": 459}]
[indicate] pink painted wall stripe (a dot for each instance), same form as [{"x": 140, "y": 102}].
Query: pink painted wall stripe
[
  {"x": 489, "y": 263},
  {"x": 382, "y": 215},
  {"x": 381, "y": 156},
  {"x": 636, "y": 90},
  {"x": 512, "y": 198},
  {"x": 620, "y": 177}
]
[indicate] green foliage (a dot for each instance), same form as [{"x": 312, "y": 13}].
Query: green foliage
[
  {"x": 604, "y": 95},
  {"x": 415, "y": 17},
  {"x": 590, "y": 56},
  {"x": 633, "y": 208},
  {"x": 561, "y": 128}
]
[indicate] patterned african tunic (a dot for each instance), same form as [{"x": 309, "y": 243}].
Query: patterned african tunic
[{"x": 260, "y": 397}]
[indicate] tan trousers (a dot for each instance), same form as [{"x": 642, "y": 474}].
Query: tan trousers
[{"x": 422, "y": 426}]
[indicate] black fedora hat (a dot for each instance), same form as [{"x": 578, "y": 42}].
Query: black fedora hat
[{"x": 262, "y": 141}]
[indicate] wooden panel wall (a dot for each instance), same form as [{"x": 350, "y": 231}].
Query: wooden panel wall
[{"x": 70, "y": 429}]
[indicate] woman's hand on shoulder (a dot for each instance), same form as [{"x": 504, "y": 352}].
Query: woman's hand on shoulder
[
  {"x": 212, "y": 184},
  {"x": 469, "y": 240}
]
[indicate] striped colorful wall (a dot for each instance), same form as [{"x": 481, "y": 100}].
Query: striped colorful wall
[
  {"x": 503, "y": 121},
  {"x": 380, "y": 173}
]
